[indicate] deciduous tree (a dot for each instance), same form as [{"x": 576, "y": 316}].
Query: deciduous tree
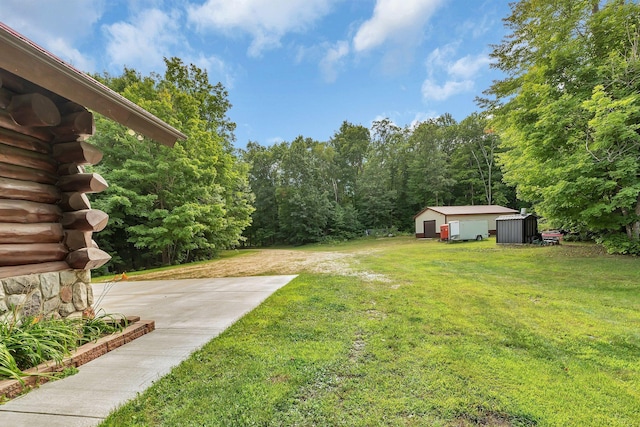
[
  {"x": 568, "y": 114},
  {"x": 178, "y": 204}
]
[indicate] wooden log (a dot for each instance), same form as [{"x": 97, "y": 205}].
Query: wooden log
[
  {"x": 34, "y": 110},
  {"x": 12, "y": 82},
  {"x": 31, "y": 233},
  {"x": 21, "y": 270},
  {"x": 23, "y": 212},
  {"x": 19, "y": 85},
  {"x": 7, "y": 122},
  {"x": 27, "y": 174},
  {"x": 31, "y": 253},
  {"x": 75, "y": 124},
  {"x": 75, "y": 239},
  {"x": 15, "y": 139},
  {"x": 70, "y": 169},
  {"x": 31, "y": 191},
  {"x": 74, "y": 202},
  {"x": 30, "y": 159},
  {"x": 83, "y": 183},
  {"x": 87, "y": 258},
  {"x": 5, "y": 97},
  {"x": 85, "y": 220},
  {"x": 79, "y": 152},
  {"x": 69, "y": 107}
]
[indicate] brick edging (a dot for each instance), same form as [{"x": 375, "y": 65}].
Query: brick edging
[{"x": 83, "y": 354}]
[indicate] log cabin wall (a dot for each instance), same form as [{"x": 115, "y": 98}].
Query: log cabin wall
[{"x": 46, "y": 220}]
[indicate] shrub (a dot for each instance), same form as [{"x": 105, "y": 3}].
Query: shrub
[{"x": 619, "y": 243}]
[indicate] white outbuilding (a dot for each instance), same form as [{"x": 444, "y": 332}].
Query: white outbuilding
[{"x": 429, "y": 220}]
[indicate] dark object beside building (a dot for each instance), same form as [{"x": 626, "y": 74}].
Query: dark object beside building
[{"x": 517, "y": 229}]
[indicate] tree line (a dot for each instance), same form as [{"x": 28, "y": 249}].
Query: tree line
[
  {"x": 559, "y": 134},
  {"x": 372, "y": 179}
]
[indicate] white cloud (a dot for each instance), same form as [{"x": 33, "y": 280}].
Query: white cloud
[
  {"x": 431, "y": 90},
  {"x": 71, "y": 55},
  {"x": 422, "y": 117},
  {"x": 217, "y": 69},
  {"x": 458, "y": 74},
  {"x": 440, "y": 57},
  {"x": 468, "y": 66},
  {"x": 56, "y": 25},
  {"x": 266, "y": 21},
  {"x": 36, "y": 19},
  {"x": 145, "y": 40},
  {"x": 399, "y": 21},
  {"x": 333, "y": 60}
]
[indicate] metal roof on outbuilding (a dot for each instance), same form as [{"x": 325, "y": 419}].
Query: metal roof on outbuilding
[
  {"x": 468, "y": 210},
  {"x": 513, "y": 217}
]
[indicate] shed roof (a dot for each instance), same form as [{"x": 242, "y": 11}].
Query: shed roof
[
  {"x": 24, "y": 58},
  {"x": 514, "y": 217},
  {"x": 469, "y": 210}
]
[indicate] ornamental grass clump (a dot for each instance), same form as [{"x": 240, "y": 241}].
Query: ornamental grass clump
[
  {"x": 8, "y": 366},
  {"x": 27, "y": 341},
  {"x": 31, "y": 340},
  {"x": 100, "y": 325}
]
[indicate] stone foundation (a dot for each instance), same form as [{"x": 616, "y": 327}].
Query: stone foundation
[{"x": 60, "y": 294}]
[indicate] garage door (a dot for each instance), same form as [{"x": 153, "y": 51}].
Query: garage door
[{"x": 430, "y": 228}]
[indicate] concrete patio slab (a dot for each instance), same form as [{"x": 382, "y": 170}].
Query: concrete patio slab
[{"x": 187, "y": 314}]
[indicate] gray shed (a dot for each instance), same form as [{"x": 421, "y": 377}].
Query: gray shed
[{"x": 519, "y": 228}]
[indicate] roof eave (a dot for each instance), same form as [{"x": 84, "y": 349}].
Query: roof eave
[{"x": 24, "y": 58}]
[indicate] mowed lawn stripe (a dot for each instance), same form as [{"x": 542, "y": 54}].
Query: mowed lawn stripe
[{"x": 451, "y": 335}]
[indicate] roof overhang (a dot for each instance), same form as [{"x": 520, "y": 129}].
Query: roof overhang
[
  {"x": 24, "y": 58},
  {"x": 468, "y": 210}
]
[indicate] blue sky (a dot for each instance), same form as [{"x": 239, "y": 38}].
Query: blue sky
[{"x": 291, "y": 67}]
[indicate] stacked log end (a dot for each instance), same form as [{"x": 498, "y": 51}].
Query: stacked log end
[
  {"x": 46, "y": 220},
  {"x": 79, "y": 221}
]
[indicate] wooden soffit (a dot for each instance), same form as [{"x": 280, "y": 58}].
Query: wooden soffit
[{"x": 26, "y": 59}]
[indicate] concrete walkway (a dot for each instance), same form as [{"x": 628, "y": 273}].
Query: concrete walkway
[{"x": 187, "y": 314}]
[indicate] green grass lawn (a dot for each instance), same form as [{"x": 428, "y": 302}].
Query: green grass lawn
[{"x": 457, "y": 335}]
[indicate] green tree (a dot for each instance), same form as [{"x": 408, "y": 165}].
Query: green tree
[
  {"x": 172, "y": 204},
  {"x": 388, "y": 162},
  {"x": 376, "y": 200},
  {"x": 431, "y": 143},
  {"x": 264, "y": 176},
  {"x": 303, "y": 194},
  {"x": 475, "y": 165},
  {"x": 568, "y": 115},
  {"x": 351, "y": 145}
]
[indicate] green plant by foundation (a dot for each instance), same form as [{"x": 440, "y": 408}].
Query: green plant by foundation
[
  {"x": 99, "y": 325},
  {"x": 27, "y": 341}
]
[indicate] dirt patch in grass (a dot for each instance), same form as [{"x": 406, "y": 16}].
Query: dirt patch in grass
[
  {"x": 487, "y": 418},
  {"x": 263, "y": 262}
]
